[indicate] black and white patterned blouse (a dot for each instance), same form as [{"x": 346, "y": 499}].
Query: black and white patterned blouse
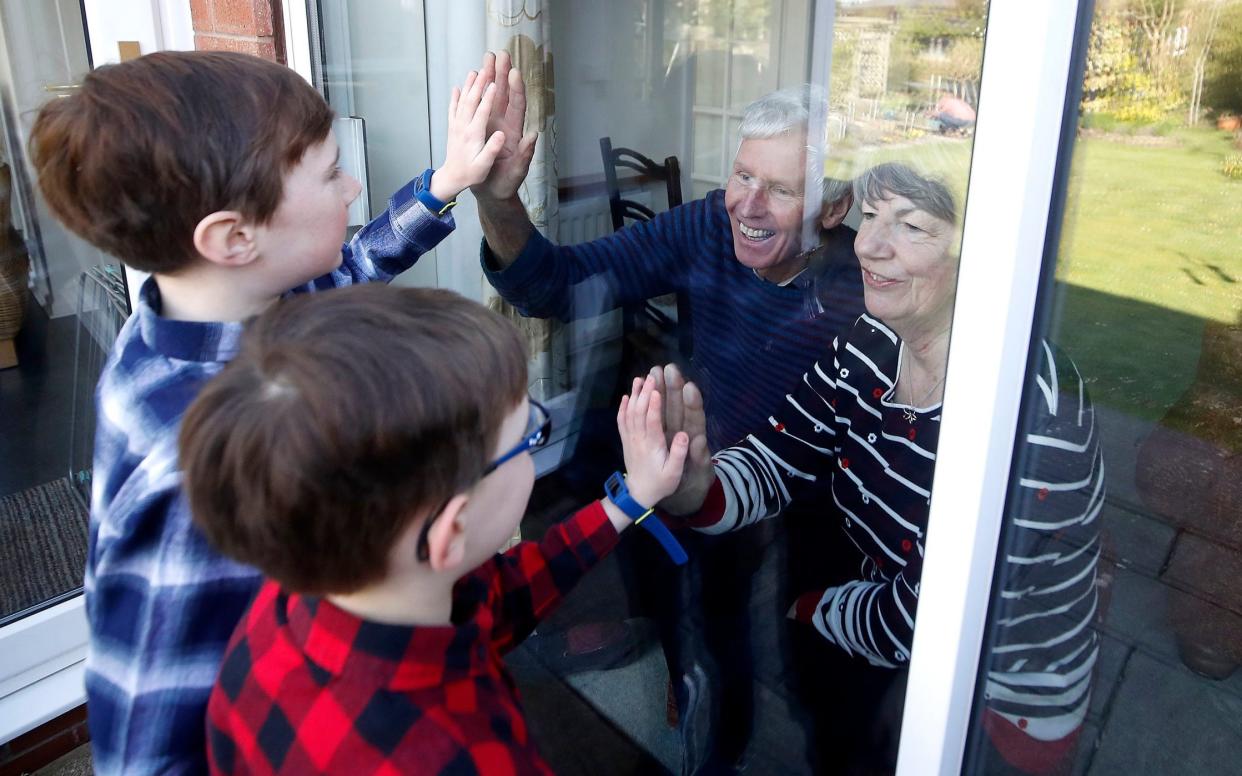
[{"x": 840, "y": 435}]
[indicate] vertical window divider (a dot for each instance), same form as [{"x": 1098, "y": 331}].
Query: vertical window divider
[{"x": 1028, "y": 49}]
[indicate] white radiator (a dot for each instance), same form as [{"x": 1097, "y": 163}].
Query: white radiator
[{"x": 583, "y": 220}]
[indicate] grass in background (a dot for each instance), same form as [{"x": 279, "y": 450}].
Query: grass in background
[{"x": 1152, "y": 247}]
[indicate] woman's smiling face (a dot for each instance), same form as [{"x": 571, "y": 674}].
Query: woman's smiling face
[{"x": 909, "y": 273}]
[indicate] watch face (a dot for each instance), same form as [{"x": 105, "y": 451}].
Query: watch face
[{"x": 614, "y": 488}]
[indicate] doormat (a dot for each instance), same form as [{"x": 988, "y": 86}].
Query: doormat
[{"x": 42, "y": 545}]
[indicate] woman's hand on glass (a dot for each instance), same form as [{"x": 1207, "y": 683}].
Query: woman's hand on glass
[{"x": 683, "y": 412}]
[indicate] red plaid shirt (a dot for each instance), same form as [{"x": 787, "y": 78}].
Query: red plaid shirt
[{"x": 306, "y": 687}]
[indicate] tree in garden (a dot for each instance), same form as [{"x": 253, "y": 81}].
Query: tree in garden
[
  {"x": 1116, "y": 79},
  {"x": 1222, "y": 82},
  {"x": 1209, "y": 27},
  {"x": 1149, "y": 59}
]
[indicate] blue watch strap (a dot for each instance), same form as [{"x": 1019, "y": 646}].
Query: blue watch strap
[
  {"x": 429, "y": 200},
  {"x": 619, "y": 494}
]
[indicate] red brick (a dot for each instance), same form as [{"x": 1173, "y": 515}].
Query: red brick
[
  {"x": 48, "y": 730},
  {"x": 259, "y": 47},
  {"x": 39, "y": 747},
  {"x": 200, "y": 13},
  {"x": 242, "y": 17}
]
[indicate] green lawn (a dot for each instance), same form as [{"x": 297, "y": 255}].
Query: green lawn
[{"x": 1152, "y": 247}]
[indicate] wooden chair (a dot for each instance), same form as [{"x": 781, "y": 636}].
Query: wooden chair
[{"x": 625, "y": 211}]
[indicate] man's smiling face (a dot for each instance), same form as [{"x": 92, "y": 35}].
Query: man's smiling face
[{"x": 764, "y": 198}]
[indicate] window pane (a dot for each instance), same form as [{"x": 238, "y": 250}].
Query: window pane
[
  {"x": 1116, "y": 626},
  {"x": 61, "y": 305},
  {"x": 744, "y": 287},
  {"x": 753, "y": 64},
  {"x": 708, "y": 148}
]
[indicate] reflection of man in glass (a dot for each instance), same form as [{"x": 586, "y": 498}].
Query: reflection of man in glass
[
  {"x": 860, "y": 431},
  {"x": 736, "y": 256}
]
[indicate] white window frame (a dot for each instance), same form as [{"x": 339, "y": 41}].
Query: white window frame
[
  {"x": 297, "y": 38},
  {"x": 43, "y": 667},
  {"x": 1017, "y": 138},
  {"x": 1026, "y": 65}
]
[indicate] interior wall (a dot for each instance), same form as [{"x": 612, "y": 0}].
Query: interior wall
[{"x": 604, "y": 88}]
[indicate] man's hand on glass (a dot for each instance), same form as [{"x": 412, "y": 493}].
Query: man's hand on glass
[{"x": 507, "y": 115}]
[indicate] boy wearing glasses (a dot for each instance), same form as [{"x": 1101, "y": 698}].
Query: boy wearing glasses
[{"x": 368, "y": 453}]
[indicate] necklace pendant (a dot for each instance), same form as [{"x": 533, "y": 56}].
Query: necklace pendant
[{"x": 910, "y": 415}]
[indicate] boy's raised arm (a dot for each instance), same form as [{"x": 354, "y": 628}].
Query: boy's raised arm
[
  {"x": 534, "y": 576},
  {"x": 419, "y": 215}
]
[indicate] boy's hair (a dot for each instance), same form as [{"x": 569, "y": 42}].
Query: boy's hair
[
  {"x": 345, "y": 415},
  {"x": 147, "y": 148}
]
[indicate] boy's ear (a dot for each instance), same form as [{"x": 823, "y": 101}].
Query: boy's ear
[
  {"x": 446, "y": 540},
  {"x": 226, "y": 238},
  {"x": 834, "y": 214}
]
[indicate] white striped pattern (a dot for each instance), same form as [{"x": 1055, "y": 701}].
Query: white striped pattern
[{"x": 880, "y": 483}]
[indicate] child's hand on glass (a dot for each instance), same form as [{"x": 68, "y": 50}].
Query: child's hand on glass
[
  {"x": 653, "y": 465},
  {"x": 469, "y": 152}
]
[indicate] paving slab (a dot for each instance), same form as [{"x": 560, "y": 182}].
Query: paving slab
[
  {"x": 1167, "y": 720},
  {"x": 1120, "y": 435},
  {"x": 1135, "y": 539},
  {"x": 1138, "y": 613},
  {"x": 1108, "y": 668},
  {"x": 1088, "y": 745}
]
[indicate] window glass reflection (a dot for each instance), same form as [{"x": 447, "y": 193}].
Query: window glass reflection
[
  {"x": 61, "y": 304},
  {"x": 1114, "y": 634}
]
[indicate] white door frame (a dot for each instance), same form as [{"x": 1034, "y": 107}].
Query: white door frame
[
  {"x": 1026, "y": 66},
  {"x": 41, "y": 674}
]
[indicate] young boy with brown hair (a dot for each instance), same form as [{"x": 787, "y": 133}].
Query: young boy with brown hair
[
  {"x": 368, "y": 453},
  {"x": 218, "y": 174}
]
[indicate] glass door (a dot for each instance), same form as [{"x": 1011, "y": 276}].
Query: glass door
[
  {"x": 61, "y": 304},
  {"x": 1114, "y": 632}
]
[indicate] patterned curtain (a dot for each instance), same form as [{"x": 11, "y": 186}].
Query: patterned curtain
[{"x": 523, "y": 27}]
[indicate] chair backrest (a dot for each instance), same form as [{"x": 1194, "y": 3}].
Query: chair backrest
[{"x": 622, "y": 208}]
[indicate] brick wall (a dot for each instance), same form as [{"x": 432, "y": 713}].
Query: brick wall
[
  {"x": 248, "y": 26},
  {"x": 35, "y": 749}
]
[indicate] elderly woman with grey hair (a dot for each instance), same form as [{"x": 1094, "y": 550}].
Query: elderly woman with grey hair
[{"x": 859, "y": 431}]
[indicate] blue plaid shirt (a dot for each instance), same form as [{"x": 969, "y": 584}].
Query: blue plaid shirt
[{"x": 160, "y": 601}]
